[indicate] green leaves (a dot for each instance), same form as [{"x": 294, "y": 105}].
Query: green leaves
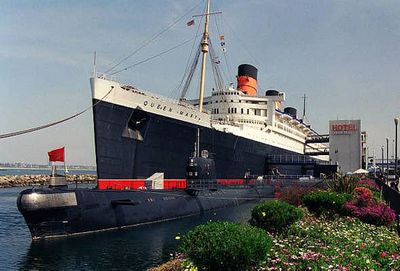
[
  {"x": 275, "y": 215},
  {"x": 325, "y": 202},
  {"x": 343, "y": 183},
  {"x": 226, "y": 246}
]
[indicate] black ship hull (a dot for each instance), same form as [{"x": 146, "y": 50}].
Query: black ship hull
[
  {"x": 134, "y": 144},
  {"x": 57, "y": 212}
]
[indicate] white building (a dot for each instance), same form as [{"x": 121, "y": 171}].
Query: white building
[{"x": 345, "y": 144}]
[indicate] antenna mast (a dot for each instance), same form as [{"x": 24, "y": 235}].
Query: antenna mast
[
  {"x": 304, "y": 105},
  {"x": 94, "y": 65}
]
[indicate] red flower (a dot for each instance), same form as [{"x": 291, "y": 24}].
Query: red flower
[{"x": 383, "y": 254}]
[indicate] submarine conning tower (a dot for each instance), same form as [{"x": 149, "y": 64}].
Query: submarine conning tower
[{"x": 247, "y": 79}]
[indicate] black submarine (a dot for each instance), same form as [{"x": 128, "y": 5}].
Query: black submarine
[{"x": 57, "y": 210}]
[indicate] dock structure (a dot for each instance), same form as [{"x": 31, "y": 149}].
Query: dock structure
[
  {"x": 310, "y": 166},
  {"x": 293, "y": 160},
  {"x": 317, "y": 145}
]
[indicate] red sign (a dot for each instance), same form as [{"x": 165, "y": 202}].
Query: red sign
[{"x": 344, "y": 127}]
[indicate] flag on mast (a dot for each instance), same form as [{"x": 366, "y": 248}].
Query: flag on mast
[
  {"x": 56, "y": 155},
  {"x": 190, "y": 23}
]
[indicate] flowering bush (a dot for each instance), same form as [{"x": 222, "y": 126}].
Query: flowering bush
[
  {"x": 368, "y": 210},
  {"x": 342, "y": 244},
  {"x": 275, "y": 215},
  {"x": 226, "y": 246},
  {"x": 325, "y": 202},
  {"x": 294, "y": 194},
  {"x": 362, "y": 195},
  {"x": 378, "y": 214},
  {"x": 368, "y": 183}
]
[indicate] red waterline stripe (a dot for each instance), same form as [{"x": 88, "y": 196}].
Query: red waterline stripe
[{"x": 121, "y": 184}]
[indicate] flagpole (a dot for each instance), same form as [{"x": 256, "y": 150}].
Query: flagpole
[{"x": 65, "y": 167}]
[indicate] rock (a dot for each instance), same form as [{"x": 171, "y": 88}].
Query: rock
[{"x": 29, "y": 180}]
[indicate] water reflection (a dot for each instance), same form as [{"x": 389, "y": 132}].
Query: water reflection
[{"x": 137, "y": 248}]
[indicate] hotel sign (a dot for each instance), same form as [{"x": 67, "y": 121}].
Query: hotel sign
[{"x": 343, "y": 128}]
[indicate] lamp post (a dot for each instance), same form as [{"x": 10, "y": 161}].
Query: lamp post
[
  {"x": 396, "y": 122},
  {"x": 387, "y": 158},
  {"x": 382, "y": 160}
]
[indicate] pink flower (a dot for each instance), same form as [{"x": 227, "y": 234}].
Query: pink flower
[{"x": 368, "y": 210}]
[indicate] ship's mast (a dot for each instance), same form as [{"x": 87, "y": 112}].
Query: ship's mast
[{"x": 204, "y": 49}]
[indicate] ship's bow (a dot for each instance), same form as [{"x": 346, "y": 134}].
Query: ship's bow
[{"x": 48, "y": 212}]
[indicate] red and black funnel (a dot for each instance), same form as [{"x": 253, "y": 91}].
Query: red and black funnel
[{"x": 247, "y": 79}]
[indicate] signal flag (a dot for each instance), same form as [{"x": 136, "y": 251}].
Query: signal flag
[
  {"x": 190, "y": 23},
  {"x": 56, "y": 155}
]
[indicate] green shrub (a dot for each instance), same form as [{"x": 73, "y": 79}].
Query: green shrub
[
  {"x": 226, "y": 246},
  {"x": 343, "y": 183},
  {"x": 326, "y": 202},
  {"x": 275, "y": 215}
]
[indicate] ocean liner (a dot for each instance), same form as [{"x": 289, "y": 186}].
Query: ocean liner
[
  {"x": 159, "y": 159},
  {"x": 138, "y": 134}
]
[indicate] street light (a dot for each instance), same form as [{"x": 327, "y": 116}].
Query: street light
[
  {"x": 387, "y": 158},
  {"x": 396, "y": 122},
  {"x": 383, "y": 160}
]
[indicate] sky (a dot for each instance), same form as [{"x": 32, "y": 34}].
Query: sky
[{"x": 344, "y": 55}]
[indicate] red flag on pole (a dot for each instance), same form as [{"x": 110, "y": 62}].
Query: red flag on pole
[
  {"x": 56, "y": 155},
  {"x": 190, "y": 23}
]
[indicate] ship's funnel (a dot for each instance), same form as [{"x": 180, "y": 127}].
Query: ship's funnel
[
  {"x": 247, "y": 79},
  {"x": 291, "y": 112}
]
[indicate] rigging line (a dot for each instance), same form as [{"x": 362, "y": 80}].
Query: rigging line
[
  {"x": 152, "y": 57},
  {"x": 185, "y": 74},
  {"x": 191, "y": 73},
  {"x": 241, "y": 42},
  {"x": 34, "y": 129},
  {"x": 224, "y": 53},
  {"x": 219, "y": 83},
  {"x": 244, "y": 47},
  {"x": 153, "y": 38}
]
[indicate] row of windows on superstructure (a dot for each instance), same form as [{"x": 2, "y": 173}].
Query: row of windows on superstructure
[
  {"x": 225, "y": 101},
  {"x": 225, "y": 93},
  {"x": 251, "y": 121},
  {"x": 289, "y": 130},
  {"x": 231, "y": 111},
  {"x": 257, "y": 112}
]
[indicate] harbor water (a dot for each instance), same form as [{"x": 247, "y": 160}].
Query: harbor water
[{"x": 136, "y": 248}]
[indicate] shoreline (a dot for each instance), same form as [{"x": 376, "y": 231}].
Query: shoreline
[
  {"x": 44, "y": 168},
  {"x": 8, "y": 181}
]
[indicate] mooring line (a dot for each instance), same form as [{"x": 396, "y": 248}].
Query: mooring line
[{"x": 34, "y": 129}]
